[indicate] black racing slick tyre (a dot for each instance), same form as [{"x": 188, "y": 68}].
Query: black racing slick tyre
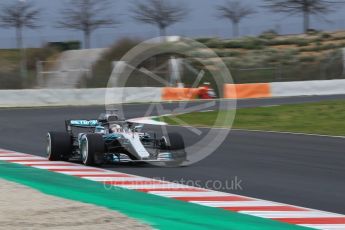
[
  {"x": 174, "y": 143},
  {"x": 59, "y": 146},
  {"x": 92, "y": 149}
]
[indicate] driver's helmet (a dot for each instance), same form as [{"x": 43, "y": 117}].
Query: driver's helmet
[
  {"x": 116, "y": 128},
  {"x": 100, "y": 130}
]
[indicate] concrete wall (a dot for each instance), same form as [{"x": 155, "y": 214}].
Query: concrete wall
[
  {"x": 82, "y": 97},
  {"x": 76, "y": 97},
  {"x": 286, "y": 89}
]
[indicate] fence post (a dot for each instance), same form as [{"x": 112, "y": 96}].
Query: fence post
[
  {"x": 39, "y": 74},
  {"x": 343, "y": 54}
]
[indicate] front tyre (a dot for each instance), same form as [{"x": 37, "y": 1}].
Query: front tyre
[
  {"x": 59, "y": 146},
  {"x": 92, "y": 149},
  {"x": 174, "y": 144}
]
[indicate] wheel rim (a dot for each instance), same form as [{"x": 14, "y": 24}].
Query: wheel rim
[
  {"x": 49, "y": 145},
  {"x": 84, "y": 150}
]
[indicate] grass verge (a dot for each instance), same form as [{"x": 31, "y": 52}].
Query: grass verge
[{"x": 326, "y": 118}]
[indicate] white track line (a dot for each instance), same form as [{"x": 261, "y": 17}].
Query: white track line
[
  {"x": 155, "y": 186},
  {"x": 325, "y": 226},
  {"x": 72, "y": 167},
  {"x": 289, "y": 214},
  {"x": 96, "y": 173},
  {"x": 118, "y": 179},
  {"x": 13, "y": 155},
  {"x": 290, "y": 133},
  {"x": 188, "y": 194},
  {"x": 20, "y": 158},
  {"x": 43, "y": 163},
  {"x": 235, "y": 203}
]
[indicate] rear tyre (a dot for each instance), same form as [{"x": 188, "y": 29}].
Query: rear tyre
[
  {"x": 59, "y": 146},
  {"x": 174, "y": 144},
  {"x": 92, "y": 149}
]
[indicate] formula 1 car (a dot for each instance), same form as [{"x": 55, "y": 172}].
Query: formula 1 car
[{"x": 112, "y": 140}]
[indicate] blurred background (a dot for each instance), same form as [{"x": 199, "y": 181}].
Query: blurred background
[{"x": 74, "y": 44}]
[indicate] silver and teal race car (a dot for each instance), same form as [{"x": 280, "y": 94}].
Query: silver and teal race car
[{"x": 112, "y": 140}]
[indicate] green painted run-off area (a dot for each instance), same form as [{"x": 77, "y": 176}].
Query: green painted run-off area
[{"x": 159, "y": 212}]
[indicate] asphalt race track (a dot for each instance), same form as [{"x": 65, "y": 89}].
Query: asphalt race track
[{"x": 301, "y": 170}]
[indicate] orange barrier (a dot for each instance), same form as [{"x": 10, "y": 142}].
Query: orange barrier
[
  {"x": 177, "y": 94},
  {"x": 256, "y": 90}
]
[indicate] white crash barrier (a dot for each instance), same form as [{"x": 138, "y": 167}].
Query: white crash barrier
[
  {"x": 83, "y": 97},
  {"x": 306, "y": 88},
  {"x": 77, "y": 97}
]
